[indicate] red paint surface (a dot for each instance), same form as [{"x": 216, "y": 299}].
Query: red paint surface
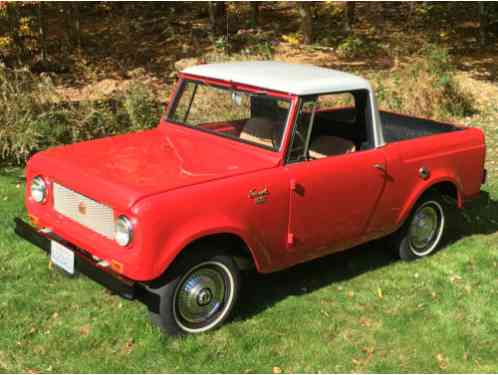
[{"x": 179, "y": 184}]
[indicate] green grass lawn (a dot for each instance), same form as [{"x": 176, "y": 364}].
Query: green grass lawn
[
  {"x": 361, "y": 310},
  {"x": 358, "y": 311}
]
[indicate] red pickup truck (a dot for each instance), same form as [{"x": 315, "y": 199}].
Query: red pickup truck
[{"x": 261, "y": 164}]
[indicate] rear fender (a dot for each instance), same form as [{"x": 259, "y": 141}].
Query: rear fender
[{"x": 424, "y": 186}]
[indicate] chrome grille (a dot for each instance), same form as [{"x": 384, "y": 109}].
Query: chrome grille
[{"x": 87, "y": 212}]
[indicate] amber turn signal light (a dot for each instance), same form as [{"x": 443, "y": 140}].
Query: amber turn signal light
[{"x": 116, "y": 266}]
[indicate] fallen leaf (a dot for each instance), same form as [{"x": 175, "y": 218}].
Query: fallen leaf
[
  {"x": 129, "y": 346},
  {"x": 379, "y": 293},
  {"x": 369, "y": 351},
  {"x": 441, "y": 361},
  {"x": 85, "y": 330},
  {"x": 365, "y": 322},
  {"x": 455, "y": 278},
  {"x": 277, "y": 370}
]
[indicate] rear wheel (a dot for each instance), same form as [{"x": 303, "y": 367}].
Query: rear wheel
[
  {"x": 422, "y": 232},
  {"x": 199, "y": 295}
]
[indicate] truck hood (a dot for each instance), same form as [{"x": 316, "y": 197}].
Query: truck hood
[{"x": 120, "y": 170}]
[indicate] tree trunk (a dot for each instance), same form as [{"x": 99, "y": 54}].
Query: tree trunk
[
  {"x": 42, "y": 32},
  {"x": 254, "y": 13},
  {"x": 483, "y": 23},
  {"x": 217, "y": 17},
  {"x": 306, "y": 22},
  {"x": 412, "y": 9},
  {"x": 77, "y": 31},
  {"x": 13, "y": 19},
  {"x": 349, "y": 16}
]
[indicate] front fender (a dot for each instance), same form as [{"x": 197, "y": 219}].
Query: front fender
[{"x": 194, "y": 230}]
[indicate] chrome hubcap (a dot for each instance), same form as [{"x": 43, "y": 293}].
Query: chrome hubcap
[
  {"x": 201, "y": 295},
  {"x": 423, "y": 227}
]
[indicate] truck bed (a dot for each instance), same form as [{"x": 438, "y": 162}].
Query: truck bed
[{"x": 397, "y": 127}]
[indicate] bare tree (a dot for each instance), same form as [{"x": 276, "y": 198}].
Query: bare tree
[
  {"x": 306, "y": 21},
  {"x": 349, "y": 16},
  {"x": 76, "y": 26},
  {"x": 13, "y": 19},
  {"x": 483, "y": 23},
  {"x": 42, "y": 32},
  {"x": 217, "y": 17},
  {"x": 254, "y": 13}
]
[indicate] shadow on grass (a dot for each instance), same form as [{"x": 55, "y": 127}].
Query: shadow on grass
[{"x": 261, "y": 291}]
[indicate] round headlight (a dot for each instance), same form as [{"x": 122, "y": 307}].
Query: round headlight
[
  {"x": 123, "y": 233},
  {"x": 38, "y": 189}
]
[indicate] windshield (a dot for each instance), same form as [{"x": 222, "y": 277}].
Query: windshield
[{"x": 258, "y": 119}]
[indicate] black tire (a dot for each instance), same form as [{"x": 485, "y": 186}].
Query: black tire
[
  {"x": 423, "y": 231},
  {"x": 202, "y": 280}
]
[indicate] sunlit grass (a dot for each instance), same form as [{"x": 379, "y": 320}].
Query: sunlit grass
[{"x": 361, "y": 310}]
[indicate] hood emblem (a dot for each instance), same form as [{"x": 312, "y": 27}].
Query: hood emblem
[
  {"x": 82, "y": 208},
  {"x": 259, "y": 196}
]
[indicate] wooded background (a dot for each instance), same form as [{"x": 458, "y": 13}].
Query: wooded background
[
  {"x": 72, "y": 71},
  {"x": 49, "y": 36}
]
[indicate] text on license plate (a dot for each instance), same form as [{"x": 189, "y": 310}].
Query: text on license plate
[{"x": 62, "y": 257}]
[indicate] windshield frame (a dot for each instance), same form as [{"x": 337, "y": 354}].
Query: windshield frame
[{"x": 231, "y": 86}]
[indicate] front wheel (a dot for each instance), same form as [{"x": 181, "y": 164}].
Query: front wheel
[
  {"x": 423, "y": 231},
  {"x": 199, "y": 295}
]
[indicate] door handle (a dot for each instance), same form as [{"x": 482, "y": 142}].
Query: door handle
[{"x": 380, "y": 167}]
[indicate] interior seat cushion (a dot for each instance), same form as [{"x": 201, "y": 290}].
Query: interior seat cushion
[
  {"x": 328, "y": 145},
  {"x": 258, "y": 130}
]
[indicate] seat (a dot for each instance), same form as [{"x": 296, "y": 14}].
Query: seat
[
  {"x": 328, "y": 145},
  {"x": 258, "y": 130}
]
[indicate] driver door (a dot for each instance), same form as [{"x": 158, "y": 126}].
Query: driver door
[{"x": 333, "y": 197}]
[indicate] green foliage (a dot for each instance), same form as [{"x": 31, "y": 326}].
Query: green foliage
[
  {"x": 355, "y": 47},
  {"x": 425, "y": 87},
  {"x": 25, "y": 102},
  {"x": 141, "y": 107}
]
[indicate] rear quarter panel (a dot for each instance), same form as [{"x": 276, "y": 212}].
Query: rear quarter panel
[{"x": 456, "y": 157}]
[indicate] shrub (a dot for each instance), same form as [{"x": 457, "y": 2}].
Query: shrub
[
  {"x": 354, "y": 47},
  {"x": 34, "y": 118},
  {"x": 425, "y": 87},
  {"x": 25, "y": 103},
  {"x": 141, "y": 107}
]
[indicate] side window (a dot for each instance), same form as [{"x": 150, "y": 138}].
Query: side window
[
  {"x": 330, "y": 125},
  {"x": 339, "y": 107},
  {"x": 302, "y": 131}
]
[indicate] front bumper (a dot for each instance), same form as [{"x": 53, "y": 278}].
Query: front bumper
[{"x": 83, "y": 261}]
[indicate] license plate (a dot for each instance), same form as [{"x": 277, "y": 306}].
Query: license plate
[{"x": 62, "y": 257}]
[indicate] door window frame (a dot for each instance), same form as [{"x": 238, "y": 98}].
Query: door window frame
[{"x": 369, "y": 123}]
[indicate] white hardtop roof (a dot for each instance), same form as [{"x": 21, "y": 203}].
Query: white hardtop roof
[{"x": 298, "y": 79}]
